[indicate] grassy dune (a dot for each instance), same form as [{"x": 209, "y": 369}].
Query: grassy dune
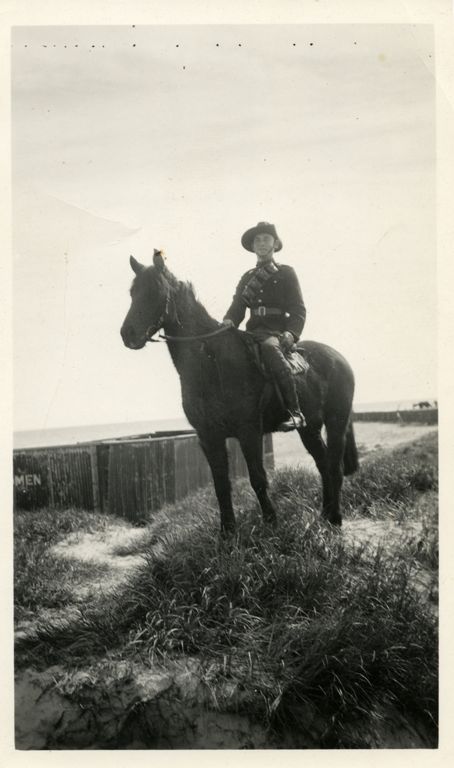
[{"x": 314, "y": 629}]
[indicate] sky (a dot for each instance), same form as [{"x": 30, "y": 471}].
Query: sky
[{"x": 127, "y": 139}]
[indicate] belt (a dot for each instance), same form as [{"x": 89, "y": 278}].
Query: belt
[{"x": 263, "y": 311}]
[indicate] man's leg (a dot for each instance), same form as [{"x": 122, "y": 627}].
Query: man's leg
[{"x": 279, "y": 368}]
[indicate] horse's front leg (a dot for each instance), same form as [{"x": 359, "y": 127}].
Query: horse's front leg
[
  {"x": 216, "y": 453},
  {"x": 251, "y": 441}
]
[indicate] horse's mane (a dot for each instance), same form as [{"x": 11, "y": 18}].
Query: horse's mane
[{"x": 188, "y": 301}]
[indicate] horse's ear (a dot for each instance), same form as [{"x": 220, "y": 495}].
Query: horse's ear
[
  {"x": 135, "y": 265},
  {"x": 158, "y": 261}
]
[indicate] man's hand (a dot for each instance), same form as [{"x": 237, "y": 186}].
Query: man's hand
[
  {"x": 228, "y": 322},
  {"x": 287, "y": 341}
]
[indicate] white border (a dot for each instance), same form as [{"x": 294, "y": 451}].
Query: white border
[{"x": 93, "y": 12}]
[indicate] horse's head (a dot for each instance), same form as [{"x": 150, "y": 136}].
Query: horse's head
[{"x": 150, "y": 298}]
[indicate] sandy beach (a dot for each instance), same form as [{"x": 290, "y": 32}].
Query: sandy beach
[{"x": 370, "y": 437}]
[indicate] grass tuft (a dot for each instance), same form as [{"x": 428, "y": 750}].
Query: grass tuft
[
  {"x": 315, "y": 634},
  {"x": 42, "y": 580}
]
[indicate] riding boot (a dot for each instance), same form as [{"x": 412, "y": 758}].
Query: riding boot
[{"x": 287, "y": 388}]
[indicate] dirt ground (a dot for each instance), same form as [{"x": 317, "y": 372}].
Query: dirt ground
[
  {"x": 288, "y": 451},
  {"x": 48, "y": 717},
  {"x": 370, "y": 436},
  {"x": 103, "y": 550}
]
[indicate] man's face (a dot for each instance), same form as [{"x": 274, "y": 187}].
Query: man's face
[{"x": 264, "y": 246}]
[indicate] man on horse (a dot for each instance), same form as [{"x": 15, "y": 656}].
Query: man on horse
[{"x": 272, "y": 293}]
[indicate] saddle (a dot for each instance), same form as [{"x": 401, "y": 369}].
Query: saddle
[
  {"x": 297, "y": 361},
  {"x": 295, "y": 357}
]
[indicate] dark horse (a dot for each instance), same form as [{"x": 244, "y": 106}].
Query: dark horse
[{"x": 225, "y": 393}]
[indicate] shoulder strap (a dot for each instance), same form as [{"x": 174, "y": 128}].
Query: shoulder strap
[{"x": 260, "y": 276}]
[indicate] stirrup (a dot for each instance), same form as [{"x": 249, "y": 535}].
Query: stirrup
[{"x": 295, "y": 421}]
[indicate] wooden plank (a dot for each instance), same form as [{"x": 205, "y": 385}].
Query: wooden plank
[
  {"x": 181, "y": 469},
  {"x": 114, "y": 483},
  {"x": 153, "y": 487},
  {"x": 180, "y": 472},
  {"x": 169, "y": 477},
  {"x": 177, "y": 475},
  {"x": 31, "y": 480},
  {"x": 51, "y": 482},
  {"x": 71, "y": 478},
  {"x": 102, "y": 463}
]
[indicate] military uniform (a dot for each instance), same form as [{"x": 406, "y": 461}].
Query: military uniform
[
  {"x": 272, "y": 294},
  {"x": 275, "y": 307}
]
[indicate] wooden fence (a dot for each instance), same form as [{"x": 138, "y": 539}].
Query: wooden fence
[
  {"x": 60, "y": 477},
  {"x": 416, "y": 416},
  {"x": 130, "y": 477}
]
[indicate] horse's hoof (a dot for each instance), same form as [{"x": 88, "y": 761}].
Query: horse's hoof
[
  {"x": 227, "y": 533},
  {"x": 334, "y": 520}
]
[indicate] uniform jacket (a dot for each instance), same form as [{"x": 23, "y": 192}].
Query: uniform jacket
[{"x": 281, "y": 291}]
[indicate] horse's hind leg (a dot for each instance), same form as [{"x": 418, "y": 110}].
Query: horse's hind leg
[
  {"x": 336, "y": 428},
  {"x": 313, "y": 442},
  {"x": 216, "y": 453},
  {"x": 251, "y": 442}
]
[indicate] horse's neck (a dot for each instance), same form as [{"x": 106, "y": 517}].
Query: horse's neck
[{"x": 186, "y": 317}]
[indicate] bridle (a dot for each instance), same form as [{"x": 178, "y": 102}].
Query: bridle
[{"x": 153, "y": 329}]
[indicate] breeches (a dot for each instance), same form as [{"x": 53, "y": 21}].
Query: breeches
[{"x": 272, "y": 355}]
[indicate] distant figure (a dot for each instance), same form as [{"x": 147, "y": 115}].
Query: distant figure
[{"x": 422, "y": 404}]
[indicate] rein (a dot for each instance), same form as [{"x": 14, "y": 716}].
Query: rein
[{"x": 200, "y": 337}]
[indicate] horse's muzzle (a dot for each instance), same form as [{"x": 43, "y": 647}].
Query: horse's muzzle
[{"x": 130, "y": 337}]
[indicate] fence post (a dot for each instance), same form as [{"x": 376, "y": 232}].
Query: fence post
[
  {"x": 94, "y": 477},
  {"x": 50, "y": 480}
]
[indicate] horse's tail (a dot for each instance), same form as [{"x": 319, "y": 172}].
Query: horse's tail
[{"x": 351, "y": 462}]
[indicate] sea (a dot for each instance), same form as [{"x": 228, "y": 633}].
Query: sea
[
  {"x": 39, "y": 438},
  {"x": 71, "y": 435}
]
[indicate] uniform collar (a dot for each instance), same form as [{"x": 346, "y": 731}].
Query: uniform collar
[{"x": 264, "y": 263}]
